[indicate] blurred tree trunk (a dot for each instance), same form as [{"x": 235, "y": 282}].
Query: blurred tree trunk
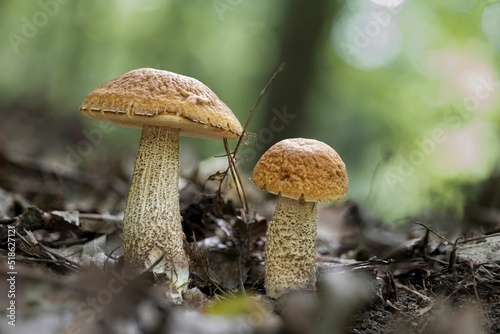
[{"x": 306, "y": 29}]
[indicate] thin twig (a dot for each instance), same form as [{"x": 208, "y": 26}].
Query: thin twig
[
  {"x": 241, "y": 252},
  {"x": 232, "y": 157},
  {"x": 453, "y": 258},
  {"x": 434, "y": 232},
  {"x": 57, "y": 256},
  {"x": 392, "y": 306},
  {"x": 426, "y": 309},
  {"x": 236, "y": 177},
  {"x": 474, "y": 284},
  {"x": 423, "y": 297},
  {"x": 151, "y": 266},
  {"x": 242, "y": 284},
  {"x": 259, "y": 99},
  {"x": 484, "y": 237},
  {"x": 205, "y": 265}
]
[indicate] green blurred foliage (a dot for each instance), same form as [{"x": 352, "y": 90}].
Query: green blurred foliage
[
  {"x": 398, "y": 101},
  {"x": 84, "y": 44},
  {"x": 387, "y": 79}
]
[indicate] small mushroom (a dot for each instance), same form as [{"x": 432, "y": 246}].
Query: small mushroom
[
  {"x": 165, "y": 105},
  {"x": 302, "y": 172}
]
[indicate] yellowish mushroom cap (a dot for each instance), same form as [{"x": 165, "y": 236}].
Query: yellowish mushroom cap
[
  {"x": 148, "y": 96},
  {"x": 302, "y": 167}
]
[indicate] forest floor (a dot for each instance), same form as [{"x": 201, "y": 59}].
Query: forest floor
[
  {"x": 67, "y": 275},
  {"x": 62, "y": 270}
]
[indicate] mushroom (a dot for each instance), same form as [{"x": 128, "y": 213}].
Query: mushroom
[
  {"x": 302, "y": 172},
  {"x": 165, "y": 105}
]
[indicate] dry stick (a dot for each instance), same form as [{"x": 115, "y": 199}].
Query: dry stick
[
  {"x": 243, "y": 200},
  {"x": 105, "y": 266},
  {"x": 252, "y": 111},
  {"x": 434, "y": 232},
  {"x": 48, "y": 252},
  {"x": 391, "y": 305},
  {"x": 453, "y": 260},
  {"x": 231, "y": 158},
  {"x": 422, "y": 296},
  {"x": 474, "y": 284},
  {"x": 239, "y": 187},
  {"x": 232, "y": 166},
  {"x": 204, "y": 265},
  {"x": 484, "y": 237}
]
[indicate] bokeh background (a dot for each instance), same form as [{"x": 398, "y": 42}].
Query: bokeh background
[{"x": 406, "y": 91}]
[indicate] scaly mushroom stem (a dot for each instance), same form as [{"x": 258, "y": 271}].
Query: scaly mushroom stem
[
  {"x": 152, "y": 220},
  {"x": 291, "y": 247}
]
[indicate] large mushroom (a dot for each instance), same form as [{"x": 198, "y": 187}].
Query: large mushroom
[
  {"x": 165, "y": 105},
  {"x": 302, "y": 172}
]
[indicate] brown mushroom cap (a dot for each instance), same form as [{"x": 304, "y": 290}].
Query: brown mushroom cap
[
  {"x": 302, "y": 167},
  {"x": 148, "y": 96}
]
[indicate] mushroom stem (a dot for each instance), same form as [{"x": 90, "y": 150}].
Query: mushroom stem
[
  {"x": 152, "y": 221},
  {"x": 291, "y": 247}
]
